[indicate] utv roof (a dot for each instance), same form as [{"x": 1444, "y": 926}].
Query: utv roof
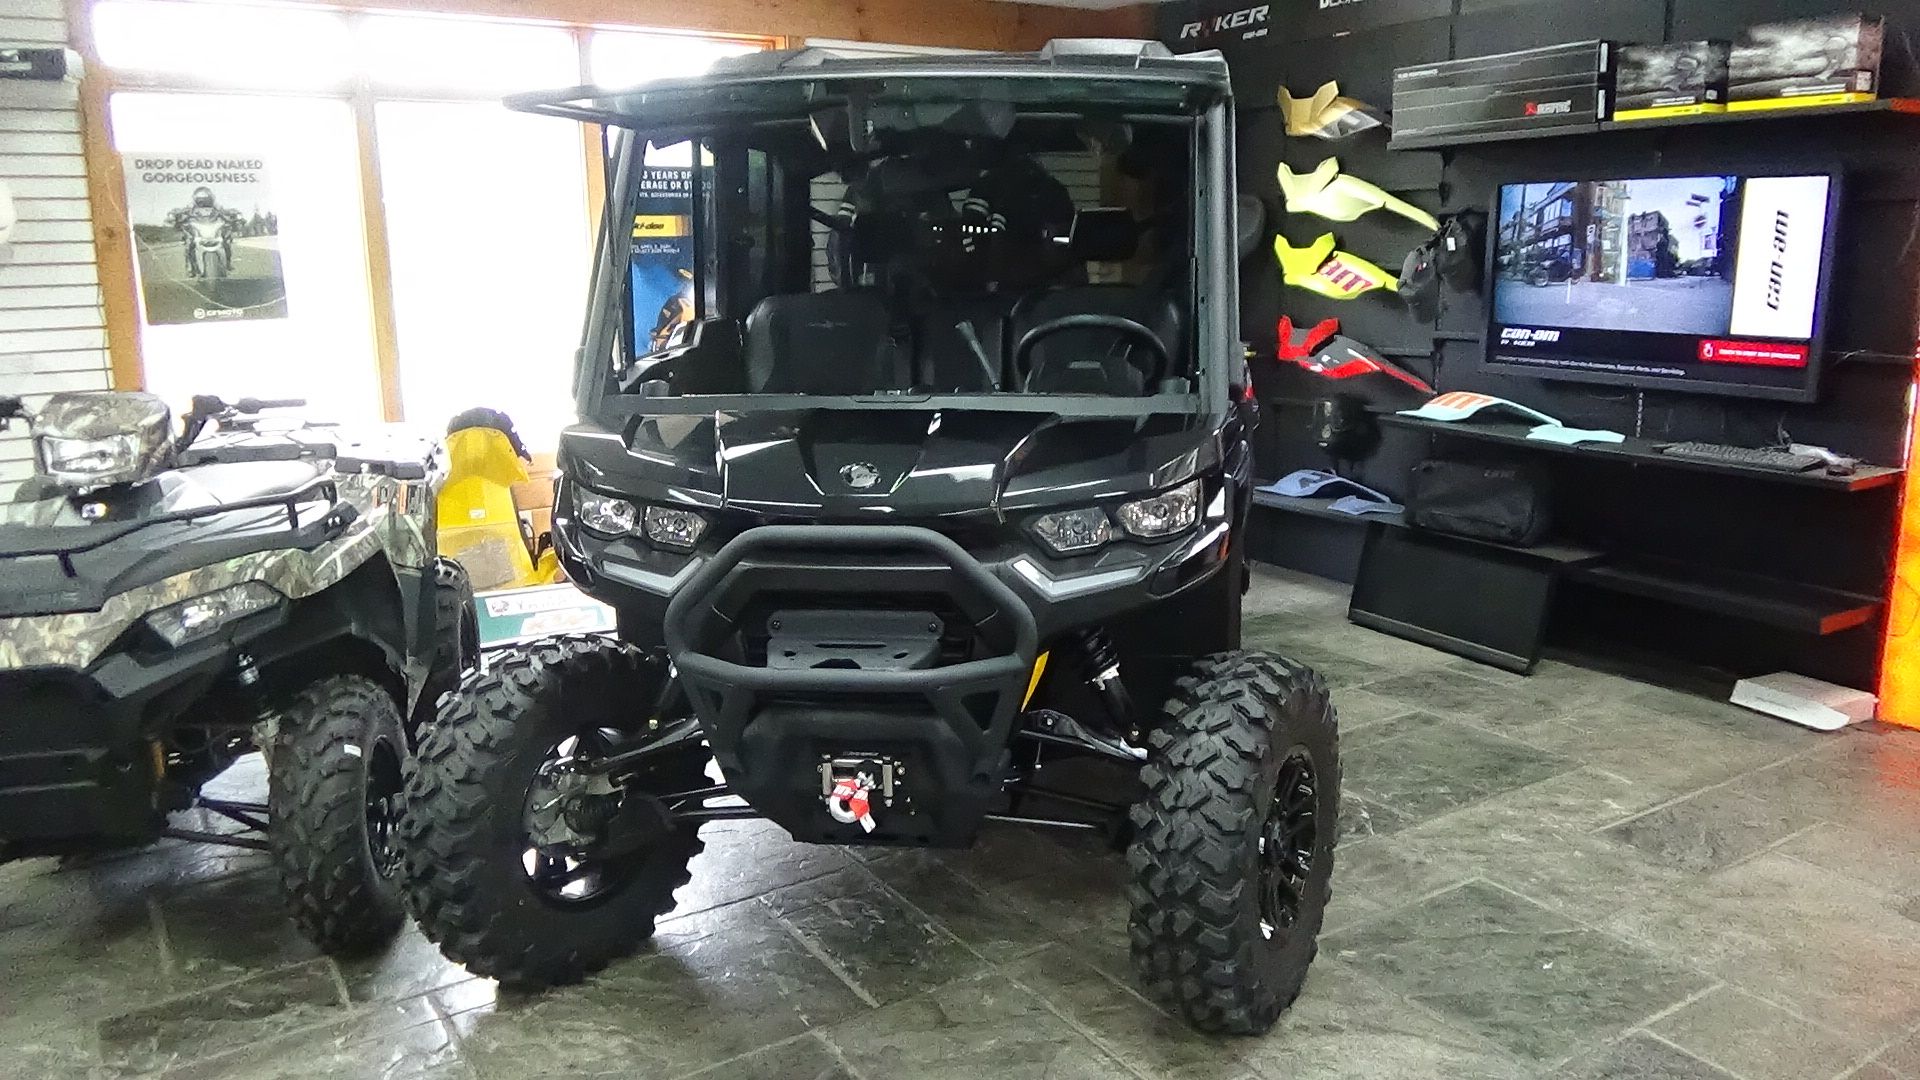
[{"x": 1109, "y": 71}]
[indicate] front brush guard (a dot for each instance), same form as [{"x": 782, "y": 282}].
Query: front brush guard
[{"x": 962, "y": 732}]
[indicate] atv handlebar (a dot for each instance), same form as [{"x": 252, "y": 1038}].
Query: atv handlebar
[{"x": 207, "y": 407}]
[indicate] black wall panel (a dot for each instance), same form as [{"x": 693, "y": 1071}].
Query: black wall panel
[
  {"x": 1485, "y": 27},
  {"x": 1873, "y": 316}
]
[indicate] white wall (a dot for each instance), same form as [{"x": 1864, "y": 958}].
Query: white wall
[{"x": 52, "y": 329}]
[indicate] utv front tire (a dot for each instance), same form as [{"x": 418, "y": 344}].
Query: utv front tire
[
  {"x": 1232, "y": 857},
  {"x": 470, "y": 882},
  {"x": 333, "y": 785}
]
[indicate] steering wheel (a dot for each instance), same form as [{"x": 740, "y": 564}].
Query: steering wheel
[{"x": 1125, "y": 327}]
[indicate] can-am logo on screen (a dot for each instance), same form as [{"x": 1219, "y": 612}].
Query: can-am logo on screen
[
  {"x": 1248, "y": 22},
  {"x": 1514, "y": 335},
  {"x": 1325, "y": 4}
]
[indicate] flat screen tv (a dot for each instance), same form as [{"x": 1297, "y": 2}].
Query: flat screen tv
[{"x": 1710, "y": 284}]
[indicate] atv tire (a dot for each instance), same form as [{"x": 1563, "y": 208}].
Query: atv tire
[
  {"x": 456, "y": 645},
  {"x": 1245, "y": 761},
  {"x": 333, "y": 783},
  {"x": 465, "y": 825}
]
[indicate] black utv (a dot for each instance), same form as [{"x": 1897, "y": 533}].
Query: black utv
[
  {"x": 945, "y": 480},
  {"x": 170, "y": 603}
]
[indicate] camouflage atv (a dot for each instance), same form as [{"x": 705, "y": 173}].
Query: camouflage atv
[{"x": 168, "y": 605}]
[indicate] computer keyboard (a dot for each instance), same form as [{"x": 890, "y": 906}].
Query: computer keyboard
[{"x": 1773, "y": 460}]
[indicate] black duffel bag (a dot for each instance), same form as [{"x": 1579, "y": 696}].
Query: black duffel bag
[{"x": 1507, "y": 504}]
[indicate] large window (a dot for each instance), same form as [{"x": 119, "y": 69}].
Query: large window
[
  {"x": 491, "y": 249},
  {"x": 465, "y": 284}
]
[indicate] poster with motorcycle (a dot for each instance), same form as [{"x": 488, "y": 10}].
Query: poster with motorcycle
[
  {"x": 661, "y": 263},
  {"x": 206, "y": 237}
]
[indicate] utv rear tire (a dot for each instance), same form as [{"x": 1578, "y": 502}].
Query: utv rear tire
[
  {"x": 456, "y": 646},
  {"x": 338, "y": 744},
  {"x": 464, "y": 827},
  {"x": 1219, "y": 933}
]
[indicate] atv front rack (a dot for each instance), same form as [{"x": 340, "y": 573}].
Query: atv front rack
[
  {"x": 772, "y": 727},
  {"x": 24, "y": 541}
]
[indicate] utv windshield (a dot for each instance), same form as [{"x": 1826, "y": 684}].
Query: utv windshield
[{"x": 907, "y": 238}]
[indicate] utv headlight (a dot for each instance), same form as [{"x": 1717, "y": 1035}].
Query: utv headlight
[
  {"x": 1072, "y": 531},
  {"x": 1163, "y": 515},
  {"x": 190, "y": 620},
  {"x": 605, "y": 514},
  {"x": 678, "y": 529}
]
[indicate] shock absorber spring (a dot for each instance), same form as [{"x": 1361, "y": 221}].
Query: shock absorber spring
[{"x": 1100, "y": 659}]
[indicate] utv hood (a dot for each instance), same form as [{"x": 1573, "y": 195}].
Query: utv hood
[{"x": 854, "y": 463}]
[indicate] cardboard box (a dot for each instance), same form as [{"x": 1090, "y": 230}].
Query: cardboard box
[
  {"x": 1559, "y": 86},
  {"x": 1686, "y": 78},
  {"x": 1830, "y": 60}
]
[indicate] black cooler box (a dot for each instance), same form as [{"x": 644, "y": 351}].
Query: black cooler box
[{"x": 1558, "y": 86}]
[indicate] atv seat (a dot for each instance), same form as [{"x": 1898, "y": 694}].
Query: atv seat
[
  {"x": 825, "y": 343},
  {"x": 1096, "y": 361}
]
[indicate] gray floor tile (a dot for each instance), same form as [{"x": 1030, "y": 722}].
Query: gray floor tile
[
  {"x": 225, "y": 1018},
  {"x": 1641, "y": 1057},
  {"x": 1756, "y": 1039},
  {"x": 693, "y": 1005},
  {"x": 1714, "y": 829},
  {"x": 347, "y": 1050},
  {"x": 1795, "y": 933},
  {"x": 747, "y": 858},
  {"x": 1902, "y": 1058},
  {"x": 990, "y": 927},
  {"x": 882, "y": 946},
  {"x": 1873, "y": 1071},
  {"x": 980, "y": 1027},
  {"x": 231, "y": 928},
  {"x": 1718, "y": 714},
  {"x": 1083, "y": 891},
  {"x": 1574, "y": 873},
  {"x": 1453, "y": 692},
  {"x": 1347, "y": 1027},
  {"x": 1123, "y": 1023},
  {"x": 1527, "y": 979},
  {"x": 1443, "y": 767},
  {"x": 1359, "y": 708},
  {"x": 1655, "y": 752},
  {"x": 1361, "y": 818},
  {"x": 1868, "y": 852},
  {"x": 805, "y": 1058}
]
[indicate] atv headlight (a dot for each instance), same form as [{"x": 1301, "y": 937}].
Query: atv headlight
[
  {"x": 89, "y": 461},
  {"x": 190, "y": 620},
  {"x": 96, "y": 438},
  {"x": 1164, "y": 514},
  {"x": 679, "y": 529},
  {"x": 604, "y": 513},
  {"x": 1071, "y": 531}
]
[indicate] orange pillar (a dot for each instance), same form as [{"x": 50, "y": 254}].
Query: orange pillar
[{"x": 1900, "y": 655}]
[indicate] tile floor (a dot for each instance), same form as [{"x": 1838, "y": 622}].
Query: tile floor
[{"x": 1571, "y": 875}]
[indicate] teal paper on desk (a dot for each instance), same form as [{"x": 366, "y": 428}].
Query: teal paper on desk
[{"x": 1566, "y": 436}]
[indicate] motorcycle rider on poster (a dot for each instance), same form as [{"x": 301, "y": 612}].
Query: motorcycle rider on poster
[{"x": 205, "y": 211}]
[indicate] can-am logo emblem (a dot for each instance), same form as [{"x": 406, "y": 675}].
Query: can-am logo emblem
[
  {"x": 860, "y": 475},
  {"x": 1253, "y": 19}
]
